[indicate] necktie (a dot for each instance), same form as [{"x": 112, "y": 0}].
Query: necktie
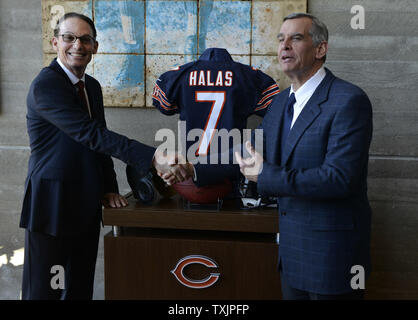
[
  {"x": 287, "y": 120},
  {"x": 82, "y": 95},
  {"x": 288, "y": 116}
]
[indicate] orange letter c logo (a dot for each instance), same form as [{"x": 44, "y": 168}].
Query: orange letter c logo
[{"x": 195, "y": 284}]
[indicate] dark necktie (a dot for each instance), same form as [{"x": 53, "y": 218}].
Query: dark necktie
[
  {"x": 287, "y": 120},
  {"x": 82, "y": 95}
]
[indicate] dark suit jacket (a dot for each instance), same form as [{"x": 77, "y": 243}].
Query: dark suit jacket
[
  {"x": 321, "y": 184},
  {"x": 70, "y": 167}
]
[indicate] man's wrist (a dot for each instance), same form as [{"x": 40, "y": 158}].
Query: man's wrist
[{"x": 191, "y": 170}]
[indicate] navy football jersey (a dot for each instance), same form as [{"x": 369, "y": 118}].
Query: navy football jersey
[{"x": 213, "y": 92}]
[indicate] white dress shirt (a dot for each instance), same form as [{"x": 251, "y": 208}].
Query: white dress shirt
[
  {"x": 305, "y": 92},
  {"x": 74, "y": 80}
]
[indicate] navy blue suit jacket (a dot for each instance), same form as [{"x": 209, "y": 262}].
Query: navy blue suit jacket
[
  {"x": 321, "y": 184},
  {"x": 70, "y": 167}
]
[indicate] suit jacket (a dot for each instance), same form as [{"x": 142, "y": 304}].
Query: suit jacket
[
  {"x": 320, "y": 179},
  {"x": 70, "y": 167}
]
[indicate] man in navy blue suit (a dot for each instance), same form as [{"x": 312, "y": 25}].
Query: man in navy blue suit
[
  {"x": 317, "y": 135},
  {"x": 70, "y": 172}
]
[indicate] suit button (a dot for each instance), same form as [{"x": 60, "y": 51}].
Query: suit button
[{"x": 283, "y": 213}]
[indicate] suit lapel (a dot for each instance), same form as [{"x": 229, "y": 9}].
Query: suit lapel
[
  {"x": 309, "y": 113},
  {"x": 273, "y": 131},
  {"x": 57, "y": 68},
  {"x": 89, "y": 85}
]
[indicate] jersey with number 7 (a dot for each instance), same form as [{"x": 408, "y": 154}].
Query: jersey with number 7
[{"x": 213, "y": 92}]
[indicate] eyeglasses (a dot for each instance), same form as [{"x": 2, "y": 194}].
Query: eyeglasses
[{"x": 71, "y": 38}]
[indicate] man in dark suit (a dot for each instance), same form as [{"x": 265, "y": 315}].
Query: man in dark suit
[
  {"x": 70, "y": 172},
  {"x": 317, "y": 135}
]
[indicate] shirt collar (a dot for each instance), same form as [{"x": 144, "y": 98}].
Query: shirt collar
[
  {"x": 73, "y": 78},
  {"x": 309, "y": 87}
]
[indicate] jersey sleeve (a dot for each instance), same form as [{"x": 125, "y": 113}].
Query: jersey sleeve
[
  {"x": 268, "y": 88},
  {"x": 165, "y": 92}
]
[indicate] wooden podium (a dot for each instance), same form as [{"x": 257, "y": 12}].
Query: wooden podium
[{"x": 164, "y": 251}]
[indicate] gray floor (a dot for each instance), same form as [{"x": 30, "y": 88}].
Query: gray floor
[
  {"x": 99, "y": 276},
  {"x": 11, "y": 289}
]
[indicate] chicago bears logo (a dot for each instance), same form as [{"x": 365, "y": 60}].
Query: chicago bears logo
[{"x": 191, "y": 283}]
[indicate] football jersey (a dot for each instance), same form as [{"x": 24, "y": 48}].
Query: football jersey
[{"x": 213, "y": 92}]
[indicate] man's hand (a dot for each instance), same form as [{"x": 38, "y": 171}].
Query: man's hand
[
  {"x": 170, "y": 179},
  {"x": 114, "y": 200},
  {"x": 250, "y": 167},
  {"x": 170, "y": 166}
]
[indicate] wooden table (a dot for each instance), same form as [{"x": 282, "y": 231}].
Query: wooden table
[{"x": 166, "y": 252}]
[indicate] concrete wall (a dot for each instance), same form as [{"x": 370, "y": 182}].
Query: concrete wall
[
  {"x": 382, "y": 59},
  {"x": 20, "y": 58}
]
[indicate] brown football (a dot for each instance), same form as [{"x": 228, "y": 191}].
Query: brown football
[{"x": 207, "y": 194}]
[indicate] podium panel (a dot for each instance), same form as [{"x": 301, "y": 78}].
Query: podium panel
[{"x": 166, "y": 252}]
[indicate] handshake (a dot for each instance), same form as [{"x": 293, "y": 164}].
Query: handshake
[{"x": 172, "y": 167}]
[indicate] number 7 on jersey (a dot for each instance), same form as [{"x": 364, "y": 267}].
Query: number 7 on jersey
[{"x": 218, "y": 99}]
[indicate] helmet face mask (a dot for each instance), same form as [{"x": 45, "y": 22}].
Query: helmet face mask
[
  {"x": 248, "y": 189},
  {"x": 250, "y": 198},
  {"x": 250, "y": 203},
  {"x": 248, "y": 194}
]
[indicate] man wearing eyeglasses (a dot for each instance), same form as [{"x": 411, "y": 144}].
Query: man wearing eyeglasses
[{"x": 70, "y": 172}]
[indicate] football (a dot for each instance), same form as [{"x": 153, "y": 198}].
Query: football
[{"x": 207, "y": 194}]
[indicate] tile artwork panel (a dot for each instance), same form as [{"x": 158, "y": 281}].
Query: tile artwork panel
[{"x": 139, "y": 40}]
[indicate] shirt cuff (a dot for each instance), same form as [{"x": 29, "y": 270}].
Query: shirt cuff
[{"x": 194, "y": 174}]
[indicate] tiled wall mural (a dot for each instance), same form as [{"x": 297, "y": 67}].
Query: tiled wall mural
[{"x": 139, "y": 40}]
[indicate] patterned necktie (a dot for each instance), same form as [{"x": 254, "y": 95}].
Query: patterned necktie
[
  {"x": 82, "y": 95},
  {"x": 287, "y": 120},
  {"x": 288, "y": 116}
]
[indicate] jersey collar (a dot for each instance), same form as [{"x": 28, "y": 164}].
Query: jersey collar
[{"x": 215, "y": 54}]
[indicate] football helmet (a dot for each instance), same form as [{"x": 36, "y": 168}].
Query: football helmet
[
  {"x": 147, "y": 186},
  {"x": 250, "y": 198}
]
